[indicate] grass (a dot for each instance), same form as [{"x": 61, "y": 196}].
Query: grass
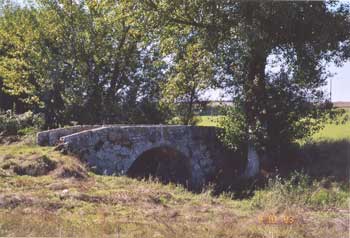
[
  {"x": 90, "y": 206},
  {"x": 208, "y": 120},
  {"x": 67, "y": 200},
  {"x": 331, "y": 131},
  {"x": 334, "y": 131},
  {"x": 28, "y": 159},
  {"x": 301, "y": 190}
]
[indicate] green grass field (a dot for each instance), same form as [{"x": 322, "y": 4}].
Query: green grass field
[
  {"x": 331, "y": 131},
  {"x": 208, "y": 120},
  {"x": 334, "y": 132}
]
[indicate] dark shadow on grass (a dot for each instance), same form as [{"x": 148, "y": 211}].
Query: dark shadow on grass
[
  {"x": 327, "y": 161},
  {"x": 323, "y": 159}
]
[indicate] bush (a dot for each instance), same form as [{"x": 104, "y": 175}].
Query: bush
[
  {"x": 234, "y": 128},
  {"x": 19, "y": 124}
]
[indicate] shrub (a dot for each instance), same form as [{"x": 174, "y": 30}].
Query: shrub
[
  {"x": 19, "y": 124},
  {"x": 234, "y": 128}
]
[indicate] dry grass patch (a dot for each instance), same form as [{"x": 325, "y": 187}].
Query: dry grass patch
[
  {"x": 70, "y": 201},
  {"x": 113, "y": 206},
  {"x": 32, "y": 160}
]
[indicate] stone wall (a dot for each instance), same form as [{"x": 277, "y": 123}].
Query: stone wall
[
  {"x": 52, "y": 137},
  {"x": 113, "y": 149}
]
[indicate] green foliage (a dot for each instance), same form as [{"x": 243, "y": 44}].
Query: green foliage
[
  {"x": 17, "y": 33},
  {"x": 300, "y": 38},
  {"x": 187, "y": 81},
  {"x": 20, "y": 124},
  {"x": 90, "y": 62},
  {"x": 235, "y": 126},
  {"x": 300, "y": 190},
  {"x": 80, "y": 61}
]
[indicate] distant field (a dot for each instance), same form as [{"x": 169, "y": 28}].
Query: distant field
[
  {"x": 342, "y": 104},
  {"x": 334, "y": 131},
  {"x": 208, "y": 120},
  {"x": 331, "y": 131}
]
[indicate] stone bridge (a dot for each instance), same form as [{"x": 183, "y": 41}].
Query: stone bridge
[{"x": 186, "y": 154}]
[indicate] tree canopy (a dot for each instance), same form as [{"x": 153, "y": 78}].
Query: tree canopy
[
  {"x": 149, "y": 61},
  {"x": 278, "y": 106},
  {"x": 80, "y": 61}
]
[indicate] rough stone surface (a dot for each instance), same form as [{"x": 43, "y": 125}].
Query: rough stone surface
[
  {"x": 113, "y": 149},
  {"x": 52, "y": 137}
]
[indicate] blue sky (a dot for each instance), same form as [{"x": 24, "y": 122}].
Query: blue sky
[{"x": 341, "y": 83}]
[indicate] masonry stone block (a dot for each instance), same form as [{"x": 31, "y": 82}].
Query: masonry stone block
[{"x": 112, "y": 149}]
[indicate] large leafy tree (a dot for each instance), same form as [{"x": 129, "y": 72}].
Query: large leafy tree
[
  {"x": 277, "y": 106},
  {"x": 82, "y": 61},
  {"x": 16, "y": 31}
]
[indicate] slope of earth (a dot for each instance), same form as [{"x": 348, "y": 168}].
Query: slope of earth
[{"x": 44, "y": 193}]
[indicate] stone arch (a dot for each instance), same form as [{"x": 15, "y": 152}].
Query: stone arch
[{"x": 163, "y": 162}]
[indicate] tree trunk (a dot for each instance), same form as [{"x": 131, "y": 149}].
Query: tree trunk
[
  {"x": 255, "y": 108},
  {"x": 189, "y": 115},
  {"x": 253, "y": 165}
]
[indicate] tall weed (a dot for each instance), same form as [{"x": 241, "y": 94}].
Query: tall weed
[{"x": 300, "y": 190}]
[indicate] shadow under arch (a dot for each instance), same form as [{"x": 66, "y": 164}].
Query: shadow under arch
[{"x": 164, "y": 163}]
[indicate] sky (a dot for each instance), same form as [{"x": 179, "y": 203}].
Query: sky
[{"x": 341, "y": 83}]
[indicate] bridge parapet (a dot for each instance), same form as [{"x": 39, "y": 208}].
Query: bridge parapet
[
  {"x": 52, "y": 137},
  {"x": 113, "y": 149}
]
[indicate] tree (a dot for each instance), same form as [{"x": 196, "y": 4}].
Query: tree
[
  {"x": 16, "y": 31},
  {"x": 81, "y": 61},
  {"x": 188, "y": 79},
  {"x": 278, "y": 107}
]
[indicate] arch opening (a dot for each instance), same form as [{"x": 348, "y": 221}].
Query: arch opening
[{"x": 164, "y": 163}]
